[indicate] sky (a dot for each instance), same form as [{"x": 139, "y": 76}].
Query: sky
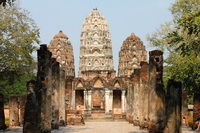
[{"x": 124, "y": 17}]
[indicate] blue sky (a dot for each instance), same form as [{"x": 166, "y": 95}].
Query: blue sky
[{"x": 124, "y": 17}]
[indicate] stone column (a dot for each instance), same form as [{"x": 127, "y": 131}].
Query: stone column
[
  {"x": 90, "y": 100},
  {"x": 62, "y": 95},
  {"x": 2, "y": 116},
  {"x": 111, "y": 101},
  {"x": 156, "y": 110},
  {"x": 85, "y": 99},
  {"x": 123, "y": 101},
  {"x": 73, "y": 99},
  {"x": 107, "y": 92},
  {"x": 44, "y": 79},
  {"x": 32, "y": 115},
  {"x": 55, "y": 91},
  {"x": 22, "y": 108},
  {"x": 136, "y": 85},
  {"x": 14, "y": 110},
  {"x": 144, "y": 89},
  {"x": 173, "y": 106}
]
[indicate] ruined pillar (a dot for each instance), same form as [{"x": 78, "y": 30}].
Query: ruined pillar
[
  {"x": 196, "y": 109},
  {"x": 107, "y": 102},
  {"x": 144, "y": 91},
  {"x": 123, "y": 101},
  {"x": 32, "y": 113},
  {"x": 74, "y": 99},
  {"x": 85, "y": 99},
  {"x": 111, "y": 101},
  {"x": 55, "y": 91},
  {"x": 62, "y": 94},
  {"x": 156, "y": 111},
  {"x": 173, "y": 106},
  {"x": 14, "y": 110},
  {"x": 130, "y": 100},
  {"x": 68, "y": 91},
  {"x": 2, "y": 115},
  {"x": 44, "y": 79},
  {"x": 22, "y": 104},
  {"x": 136, "y": 89},
  {"x": 184, "y": 108},
  {"x": 90, "y": 100}
]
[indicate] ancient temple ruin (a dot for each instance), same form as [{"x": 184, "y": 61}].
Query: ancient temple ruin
[
  {"x": 136, "y": 93},
  {"x": 97, "y": 91}
]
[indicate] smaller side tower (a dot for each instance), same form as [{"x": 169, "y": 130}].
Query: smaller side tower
[
  {"x": 131, "y": 54},
  {"x": 62, "y": 51}
]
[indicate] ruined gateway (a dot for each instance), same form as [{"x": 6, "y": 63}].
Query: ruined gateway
[{"x": 137, "y": 93}]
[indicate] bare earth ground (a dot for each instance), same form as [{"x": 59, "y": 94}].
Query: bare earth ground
[{"x": 98, "y": 127}]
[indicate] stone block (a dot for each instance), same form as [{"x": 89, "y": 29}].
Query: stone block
[{"x": 117, "y": 111}]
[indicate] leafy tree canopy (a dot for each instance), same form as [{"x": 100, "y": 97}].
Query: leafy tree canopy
[
  {"x": 18, "y": 33},
  {"x": 180, "y": 39}
]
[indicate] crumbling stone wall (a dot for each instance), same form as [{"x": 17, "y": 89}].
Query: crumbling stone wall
[
  {"x": 173, "y": 106},
  {"x": 130, "y": 99},
  {"x": 55, "y": 91},
  {"x": 136, "y": 96},
  {"x": 68, "y": 92},
  {"x": 44, "y": 80},
  {"x": 148, "y": 93},
  {"x": 151, "y": 107},
  {"x": 47, "y": 97},
  {"x": 156, "y": 90},
  {"x": 14, "y": 110},
  {"x": 32, "y": 113},
  {"x": 144, "y": 89},
  {"x": 2, "y": 116}
]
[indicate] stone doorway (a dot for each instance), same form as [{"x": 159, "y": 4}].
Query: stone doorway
[
  {"x": 98, "y": 99},
  {"x": 98, "y": 103},
  {"x": 117, "y": 102},
  {"x": 79, "y": 99}
]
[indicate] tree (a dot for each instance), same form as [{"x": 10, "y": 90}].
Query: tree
[
  {"x": 180, "y": 40},
  {"x": 6, "y": 2},
  {"x": 18, "y": 33}
]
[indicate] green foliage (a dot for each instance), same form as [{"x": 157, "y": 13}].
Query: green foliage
[
  {"x": 180, "y": 40},
  {"x": 185, "y": 69},
  {"x": 13, "y": 83},
  {"x": 18, "y": 33},
  {"x": 187, "y": 17}
]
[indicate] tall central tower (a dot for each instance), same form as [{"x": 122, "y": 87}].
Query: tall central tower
[{"x": 96, "y": 46}]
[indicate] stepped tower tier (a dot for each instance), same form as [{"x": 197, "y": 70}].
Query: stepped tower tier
[
  {"x": 95, "y": 44},
  {"x": 131, "y": 54},
  {"x": 62, "y": 51}
]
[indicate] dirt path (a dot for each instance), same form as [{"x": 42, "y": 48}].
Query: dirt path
[{"x": 98, "y": 127}]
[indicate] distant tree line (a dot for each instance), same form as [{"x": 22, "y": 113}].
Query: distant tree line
[{"x": 18, "y": 33}]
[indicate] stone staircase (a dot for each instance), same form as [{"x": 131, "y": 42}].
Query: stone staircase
[{"x": 101, "y": 116}]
